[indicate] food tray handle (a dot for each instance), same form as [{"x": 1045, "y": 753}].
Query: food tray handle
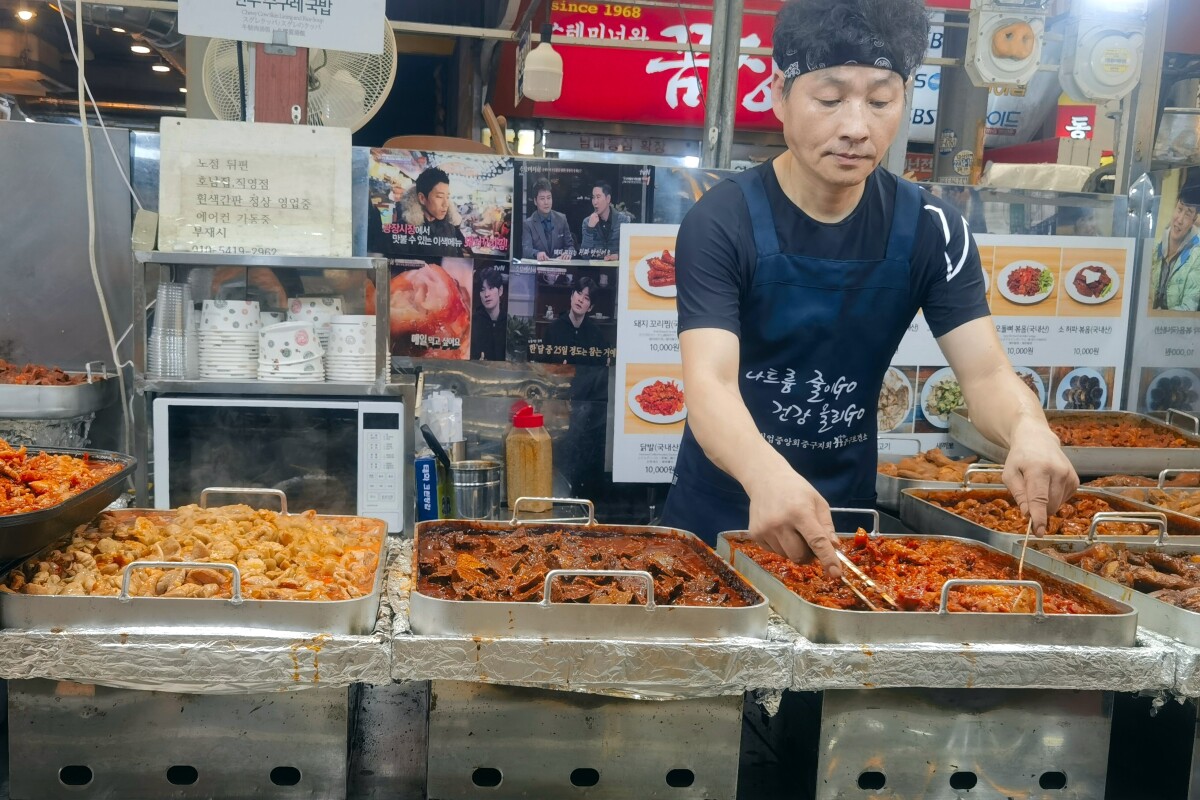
[
  {"x": 237, "y": 575},
  {"x": 1162, "y": 476},
  {"x": 235, "y": 490},
  {"x": 943, "y": 606},
  {"x": 1175, "y": 412},
  {"x": 874, "y": 516},
  {"x": 564, "y": 501},
  {"x": 1155, "y": 518},
  {"x": 597, "y": 573},
  {"x": 978, "y": 469},
  {"x": 94, "y": 367}
]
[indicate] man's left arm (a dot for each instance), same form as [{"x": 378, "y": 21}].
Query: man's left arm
[{"x": 1004, "y": 410}]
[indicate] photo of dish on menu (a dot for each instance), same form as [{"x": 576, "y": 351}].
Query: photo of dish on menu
[
  {"x": 574, "y": 210},
  {"x": 429, "y": 205}
]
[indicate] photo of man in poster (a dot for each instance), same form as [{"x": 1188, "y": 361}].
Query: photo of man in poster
[
  {"x": 489, "y": 320},
  {"x": 546, "y": 234},
  {"x": 1175, "y": 262},
  {"x": 600, "y": 239}
]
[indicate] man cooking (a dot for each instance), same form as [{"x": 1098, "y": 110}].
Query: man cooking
[
  {"x": 797, "y": 280},
  {"x": 1175, "y": 264}
]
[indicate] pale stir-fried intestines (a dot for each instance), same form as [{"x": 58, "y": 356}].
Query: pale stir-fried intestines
[{"x": 280, "y": 557}]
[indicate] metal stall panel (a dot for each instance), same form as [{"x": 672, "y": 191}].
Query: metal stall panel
[
  {"x": 71, "y": 740},
  {"x": 992, "y": 744},
  {"x": 508, "y": 742},
  {"x": 390, "y": 743}
]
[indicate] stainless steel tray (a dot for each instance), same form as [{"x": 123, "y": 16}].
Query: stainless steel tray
[
  {"x": 59, "y": 402},
  {"x": 431, "y": 615},
  {"x": 888, "y": 488},
  {"x": 22, "y": 535},
  {"x": 837, "y": 626},
  {"x": 918, "y": 513},
  {"x": 1153, "y": 614},
  {"x": 357, "y": 616},
  {"x": 1093, "y": 461},
  {"x": 1142, "y": 495}
]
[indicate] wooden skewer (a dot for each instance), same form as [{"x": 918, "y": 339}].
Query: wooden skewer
[
  {"x": 1024, "y": 545},
  {"x": 862, "y": 576}
]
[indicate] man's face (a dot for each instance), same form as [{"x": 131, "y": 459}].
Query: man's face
[
  {"x": 600, "y": 201},
  {"x": 1182, "y": 221},
  {"x": 437, "y": 202},
  {"x": 581, "y": 302},
  {"x": 489, "y": 297},
  {"x": 544, "y": 202},
  {"x": 839, "y": 122}
]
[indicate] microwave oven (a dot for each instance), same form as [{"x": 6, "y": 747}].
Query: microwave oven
[{"x": 336, "y": 456}]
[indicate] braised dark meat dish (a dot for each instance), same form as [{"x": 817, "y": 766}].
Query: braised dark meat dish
[
  {"x": 512, "y": 567},
  {"x": 1174, "y": 579},
  {"x": 34, "y": 482},
  {"x": 1001, "y": 513},
  {"x": 1179, "y": 501},
  {"x": 1093, "y": 432},
  {"x": 36, "y": 375},
  {"x": 913, "y": 572}
]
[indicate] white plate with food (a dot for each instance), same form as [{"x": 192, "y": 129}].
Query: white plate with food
[
  {"x": 655, "y": 273},
  {"x": 1034, "y": 382},
  {"x": 1082, "y": 389},
  {"x": 895, "y": 400},
  {"x": 1092, "y": 283},
  {"x": 1025, "y": 282},
  {"x": 658, "y": 400},
  {"x": 940, "y": 395},
  {"x": 1174, "y": 388}
]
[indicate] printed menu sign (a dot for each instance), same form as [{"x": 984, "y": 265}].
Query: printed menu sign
[
  {"x": 1059, "y": 304},
  {"x": 238, "y": 188},
  {"x": 650, "y": 403}
]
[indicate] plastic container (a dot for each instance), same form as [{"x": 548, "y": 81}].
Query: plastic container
[{"x": 529, "y": 459}]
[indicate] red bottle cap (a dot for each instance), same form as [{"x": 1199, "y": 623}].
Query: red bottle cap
[{"x": 526, "y": 418}]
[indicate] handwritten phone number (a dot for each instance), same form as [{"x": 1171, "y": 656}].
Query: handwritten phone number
[{"x": 235, "y": 251}]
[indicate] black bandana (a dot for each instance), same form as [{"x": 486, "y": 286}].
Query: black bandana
[{"x": 868, "y": 53}]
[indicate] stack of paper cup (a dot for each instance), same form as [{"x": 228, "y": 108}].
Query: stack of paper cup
[
  {"x": 272, "y": 317},
  {"x": 318, "y": 311},
  {"x": 290, "y": 351},
  {"x": 351, "y": 354},
  {"x": 229, "y": 339}
]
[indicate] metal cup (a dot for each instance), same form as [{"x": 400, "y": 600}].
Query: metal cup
[{"x": 476, "y": 489}]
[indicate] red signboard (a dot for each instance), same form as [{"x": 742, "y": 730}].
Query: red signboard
[{"x": 1075, "y": 122}]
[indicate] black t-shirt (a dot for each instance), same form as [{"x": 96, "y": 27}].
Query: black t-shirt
[
  {"x": 580, "y": 342},
  {"x": 488, "y": 335},
  {"x": 716, "y": 254}
]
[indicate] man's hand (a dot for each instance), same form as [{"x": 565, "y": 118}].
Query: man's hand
[
  {"x": 612, "y": 256},
  {"x": 1038, "y": 473},
  {"x": 541, "y": 256},
  {"x": 593, "y": 220},
  {"x": 788, "y": 516}
]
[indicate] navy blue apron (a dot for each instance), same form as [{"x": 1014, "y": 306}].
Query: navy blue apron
[{"x": 817, "y": 337}]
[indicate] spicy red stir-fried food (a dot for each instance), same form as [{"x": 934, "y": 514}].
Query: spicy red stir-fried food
[
  {"x": 1092, "y": 432},
  {"x": 662, "y": 398},
  {"x": 512, "y": 567},
  {"x": 1174, "y": 579},
  {"x": 34, "y": 482},
  {"x": 36, "y": 375},
  {"x": 1025, "y": 281},
  {"x": 662, "y": 270},
  {"x": 1001, "y": 513},
  {"x": 913, "y": 571}
]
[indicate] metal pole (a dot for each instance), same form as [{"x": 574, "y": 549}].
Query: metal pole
[
  {"x": 961, "y": 108},
  {"x": 713, "y": 96},
  {"x": 1139, "y": 111},
  {"x": 731, "y": 54}
]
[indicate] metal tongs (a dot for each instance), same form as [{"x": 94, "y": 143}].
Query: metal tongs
[{"x": 862, "y": 576}]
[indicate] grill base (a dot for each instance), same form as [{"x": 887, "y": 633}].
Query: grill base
[
  {"x": 391, "y": 742},
  {"x": 938, "y": 743},
  {"x": 507, "y": 742},
  {"x": 74, "y": 740}
]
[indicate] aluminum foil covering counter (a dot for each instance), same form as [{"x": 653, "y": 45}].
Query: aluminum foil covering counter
[
  {"x": 659, "y": 670},
  {"x": 1187, "y": 665},
  {"x": 1148, "y": 666},
  {"x": 211, "y": 660}
]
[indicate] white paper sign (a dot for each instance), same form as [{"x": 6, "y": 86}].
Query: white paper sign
[
  {"x": 245, "y": 188},
  {"x": 350, "y": 25}
]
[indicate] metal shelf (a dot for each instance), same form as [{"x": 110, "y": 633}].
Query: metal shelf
[
  {"x": 251, "y": 388},
  {"x": 279, "y": 262}
]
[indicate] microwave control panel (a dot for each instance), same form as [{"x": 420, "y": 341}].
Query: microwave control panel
[{"x": 381, "y": 467}]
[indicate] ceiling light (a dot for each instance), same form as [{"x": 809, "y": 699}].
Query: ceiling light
[
  {"x": 183, "y": 89},
  {"x": 140, "y": 49},
  {"x": 25, "y": 14},
  {"x": 118, "y": 30},
  {"x": 160, "y": 68}
]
